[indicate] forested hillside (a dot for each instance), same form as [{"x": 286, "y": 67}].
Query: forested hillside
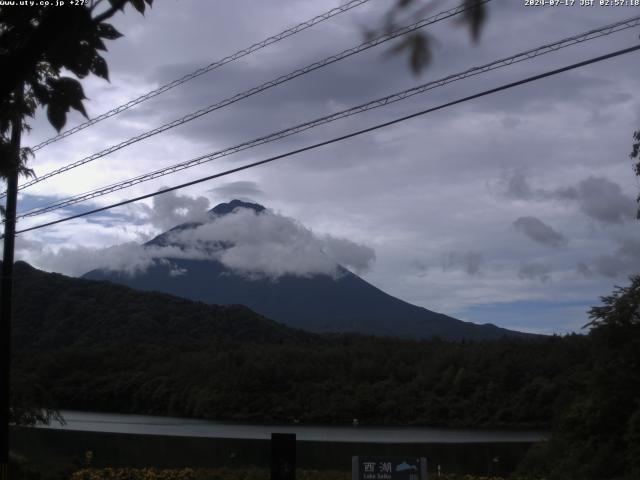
[{"x": 98, "y": 346}]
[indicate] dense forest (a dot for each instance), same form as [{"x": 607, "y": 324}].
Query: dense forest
[
  {"x": 505, "y": 383},
  {"x": 100, "y": 346},
  {"x": 88, "y": 345},
  {"x": 598, "y": 436}
]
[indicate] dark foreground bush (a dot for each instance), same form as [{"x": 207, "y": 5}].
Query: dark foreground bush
[{"x": 229, "y": 474}]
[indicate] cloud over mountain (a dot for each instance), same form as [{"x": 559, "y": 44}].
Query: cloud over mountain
[
  {"x": 170, "y": 209},
  {"x": 254, "y": 244},
  {"x": 271, "y": 245}
]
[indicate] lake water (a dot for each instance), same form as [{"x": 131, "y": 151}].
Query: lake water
[
  {"x": 184, "y": 427},
  {"x": 165, "y": 442}
]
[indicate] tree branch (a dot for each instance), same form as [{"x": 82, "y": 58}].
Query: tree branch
[{"x": 110, "y": 12}]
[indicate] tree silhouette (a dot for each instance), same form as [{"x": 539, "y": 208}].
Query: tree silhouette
[
  {"x": 36, "y": 44},
  {"x": 635, "y": 154},
  {"x": 598, "y": 436}
]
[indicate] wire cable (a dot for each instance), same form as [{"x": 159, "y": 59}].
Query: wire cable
[
  {"x": 380, "y": 102},
  {"x": 201, "y": 71},
  {"x": 343, "y": 137},
  {"x": 255, "y": 90}
]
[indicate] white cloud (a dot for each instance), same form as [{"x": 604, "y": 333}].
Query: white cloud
[
  {"x": 171, "y": 209},
  {"x": 75, "y": 261},
  {"x": 273, "y": 245},
  {"x": 256, "y": 245}
]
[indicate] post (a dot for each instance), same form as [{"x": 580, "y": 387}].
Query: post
[
  {"x": 5, "y": 297},
  {"x": 283, "y": 456}
]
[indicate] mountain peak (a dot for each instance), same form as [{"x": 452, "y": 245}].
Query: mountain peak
[
  {"x": 164, "y": 239},
  {"x": 226, "y": 208}
]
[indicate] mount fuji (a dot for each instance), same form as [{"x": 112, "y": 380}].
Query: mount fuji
[{"x": 326, "y": 301}]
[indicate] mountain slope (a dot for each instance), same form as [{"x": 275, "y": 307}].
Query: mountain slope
[
  {"x": 320, "y": 303},
  {"x": 53, "y": 311}
]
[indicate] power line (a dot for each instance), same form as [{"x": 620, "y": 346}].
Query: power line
[
  {"x": 201, "y": 71},
  {"x": 344, "y": 137},
  {"x": 529, "y": 54},
  {"x": 255, "y": 90}
]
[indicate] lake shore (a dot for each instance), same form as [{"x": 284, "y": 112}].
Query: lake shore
[
  {"x": 65, "y": 450},
  {"x": 188, "y": 427}
]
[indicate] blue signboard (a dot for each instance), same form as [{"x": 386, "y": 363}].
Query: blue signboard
[{"x": 388, "y": 468}]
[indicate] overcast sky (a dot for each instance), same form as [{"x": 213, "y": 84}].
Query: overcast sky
[{"x": 516, "y": 209}]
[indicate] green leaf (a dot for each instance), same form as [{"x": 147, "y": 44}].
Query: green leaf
[
  {"x": 138, "y": 5},
  {"x": 118, "y": 4},
  {"x": 106, "y": 30},
  {"x": 57, "y": 115},
  {"x": 99, "y": 67},
  {"x": 66, "y": 93},
  {"x": 98, "y": 43},
  {"x": 41, "y": 92},
  {"x": 76, "y": 104},
  {"x": 67, "y": 87},
  {"x": 80, "y": 64}
]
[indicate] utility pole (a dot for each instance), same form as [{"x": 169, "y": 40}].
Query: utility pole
[{"x": 7, "y": 285}]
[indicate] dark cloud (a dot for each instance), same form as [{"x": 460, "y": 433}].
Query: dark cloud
[
  {"x": 241, "y": 189},
  {"x": 597, "y": 197},
  {"x": 347, "y": 83},
  {"x": 624, "y": 260},
  {"x": 468, "y": 262},
  {"x": 584, "y": 270},
  {"x": 352, "y": 81},
  {"x": 600, "y": 199},
  {"x": 517, "y": 186},
  {"x": 609, "y": 265},
  {"x": 540, "y": 232},
  {"x": 534, "y": 271},
  {"x": 575, "y": 87},
  {"x": 420, "y": 267}
]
